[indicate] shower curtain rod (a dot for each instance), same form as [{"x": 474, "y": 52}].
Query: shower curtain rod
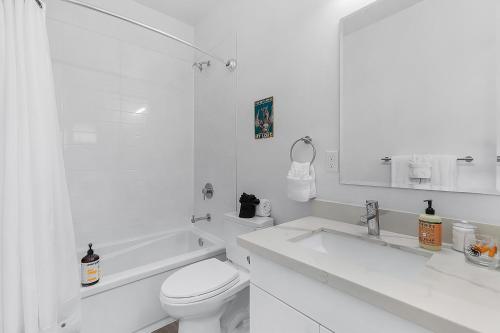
[{"x": 145, "y": 26}]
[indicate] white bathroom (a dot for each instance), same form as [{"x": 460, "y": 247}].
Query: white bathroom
[{"x": 249, "y": 166}]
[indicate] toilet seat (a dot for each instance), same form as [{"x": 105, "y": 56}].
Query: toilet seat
[{"x": 199, "y": 281}]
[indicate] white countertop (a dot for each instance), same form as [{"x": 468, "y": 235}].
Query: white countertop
[{"x": 436, "y": 300}]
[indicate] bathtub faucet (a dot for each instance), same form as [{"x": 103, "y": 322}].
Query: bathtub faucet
[{"x": 194, "y": 219}]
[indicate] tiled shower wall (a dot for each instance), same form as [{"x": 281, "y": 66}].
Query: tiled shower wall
[{"x": 125, "y": 100}]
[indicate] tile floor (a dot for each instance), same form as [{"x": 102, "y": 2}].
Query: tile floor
[{"x": 172, "y": 328}]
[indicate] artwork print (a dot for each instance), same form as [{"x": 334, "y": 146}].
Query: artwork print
[{"x": 264, "y": 119}]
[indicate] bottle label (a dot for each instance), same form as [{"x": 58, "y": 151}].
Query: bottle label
[
  {"x": 429, "y": 233},
  {"x": 90, "y": 272}
]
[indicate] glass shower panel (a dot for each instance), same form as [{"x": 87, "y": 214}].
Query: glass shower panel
[{"x": 215, "y": 135}]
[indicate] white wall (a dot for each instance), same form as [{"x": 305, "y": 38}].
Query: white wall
[
  {"x": 289, "y": 50},
  {"x": 125, "y": 98},
  {"x": 406, "y": 91}
]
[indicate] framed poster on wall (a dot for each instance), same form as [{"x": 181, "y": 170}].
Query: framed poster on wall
[{"x": 264, "y": 118}]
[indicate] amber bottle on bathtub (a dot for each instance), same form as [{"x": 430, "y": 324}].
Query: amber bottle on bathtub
[{"x": 90, "y": 271}]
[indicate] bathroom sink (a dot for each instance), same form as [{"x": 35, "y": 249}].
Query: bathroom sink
[{"x": 370, "y": 253}]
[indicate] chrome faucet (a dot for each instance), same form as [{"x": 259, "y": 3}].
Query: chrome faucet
[
  {"x": 372, "y": 219},
  {"x": 195, "y": 219}
]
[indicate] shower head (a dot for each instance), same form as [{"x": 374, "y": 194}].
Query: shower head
[
  {"x": 201, "y": 65},
  {"x": 231, "y": 65}
]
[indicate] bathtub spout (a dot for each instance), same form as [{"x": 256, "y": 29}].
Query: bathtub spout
[{"x": 194, "y": 219}]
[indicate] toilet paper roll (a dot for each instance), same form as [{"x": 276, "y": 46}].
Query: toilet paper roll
[{"x": 264, "y": 208}]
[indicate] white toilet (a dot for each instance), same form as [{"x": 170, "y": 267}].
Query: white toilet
[{"x": 212, "y": 296}]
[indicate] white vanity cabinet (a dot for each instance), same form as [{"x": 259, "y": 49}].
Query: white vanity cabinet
[
  {"x": 269, "y": 314},
  {"x": 285, "y": 301}
]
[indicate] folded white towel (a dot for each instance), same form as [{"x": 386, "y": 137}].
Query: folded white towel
[
  {"x": 444, "y": 172},
  {"x": 420, "y": 167},
  {"x": 264, "y": 208},
  {"x": 301, "y": 181},
  {"x": 399, "y": 170},
  {"x": 312, "y": 173},
  {"x": 498, "y": 177}
]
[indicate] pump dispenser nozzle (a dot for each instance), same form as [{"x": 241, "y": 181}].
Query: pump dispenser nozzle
[
  {"x": 429, "y": 210},
  {"x": 90, "y": 252}
]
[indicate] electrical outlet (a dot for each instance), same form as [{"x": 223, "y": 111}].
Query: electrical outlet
[{"x": 332, "y": 161}]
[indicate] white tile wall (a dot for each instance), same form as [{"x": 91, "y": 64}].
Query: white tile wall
[{"x": 125, "y": 100}]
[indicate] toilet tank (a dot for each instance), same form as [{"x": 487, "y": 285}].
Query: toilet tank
[{"x": 235, "y": 226}]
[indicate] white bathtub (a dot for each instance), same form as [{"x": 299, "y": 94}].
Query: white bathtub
[{"x": 126, "y": 299}]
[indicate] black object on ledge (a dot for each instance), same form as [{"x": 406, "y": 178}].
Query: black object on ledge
[{"x": 248, "y": 204}]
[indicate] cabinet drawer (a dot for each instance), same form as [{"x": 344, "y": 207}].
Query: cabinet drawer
[{"x": 268, "y": 314}]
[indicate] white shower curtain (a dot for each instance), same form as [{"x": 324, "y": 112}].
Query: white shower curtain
[{"x": 39, "y": 284}]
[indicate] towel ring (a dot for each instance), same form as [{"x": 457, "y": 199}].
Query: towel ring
[{"x": 306, "y": 140}]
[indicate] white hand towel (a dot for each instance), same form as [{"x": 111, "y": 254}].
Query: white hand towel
[
  {"x": 444, "y": 172},
  {"x": 312, "y": 192},
  {"x": 498, "y": 177},
  {"x": 400, "y": 171},
  {"x": 420, "y": 167},
  {"x": 301, "y": 181},
  {"x": 264, "y": 208}
]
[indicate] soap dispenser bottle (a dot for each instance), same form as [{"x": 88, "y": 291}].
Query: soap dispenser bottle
[
  {"x": 90, "y": 268},
  {"x": 430, "y": 229}
]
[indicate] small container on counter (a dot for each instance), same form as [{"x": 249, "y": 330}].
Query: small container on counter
[
  {"x": 482, "y": 250},
  {"x": 460, "y": 230}
]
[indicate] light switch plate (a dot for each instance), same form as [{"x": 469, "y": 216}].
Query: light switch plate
[{"x": 332, "y": 161}]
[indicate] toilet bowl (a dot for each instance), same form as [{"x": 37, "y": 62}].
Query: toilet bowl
[{"x": 199, "y": 295}]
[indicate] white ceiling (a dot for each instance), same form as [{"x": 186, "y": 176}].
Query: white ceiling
[{"x": 188, "y": 11}]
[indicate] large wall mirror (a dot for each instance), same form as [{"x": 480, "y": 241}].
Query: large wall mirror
[{"x": 420, "y": 95}]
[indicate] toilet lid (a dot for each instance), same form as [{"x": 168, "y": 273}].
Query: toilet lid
[{"x": 201, "y": 278}]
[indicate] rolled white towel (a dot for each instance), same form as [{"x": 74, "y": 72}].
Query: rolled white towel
[{"x": 264, "y": 208}]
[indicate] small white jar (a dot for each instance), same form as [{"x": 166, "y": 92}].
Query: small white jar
[{"x": 460, "y": 229}]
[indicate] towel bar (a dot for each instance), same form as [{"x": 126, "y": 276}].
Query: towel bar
[
  {"x": 467, "y": 159},
  {"x": 306, "y": 140}
]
